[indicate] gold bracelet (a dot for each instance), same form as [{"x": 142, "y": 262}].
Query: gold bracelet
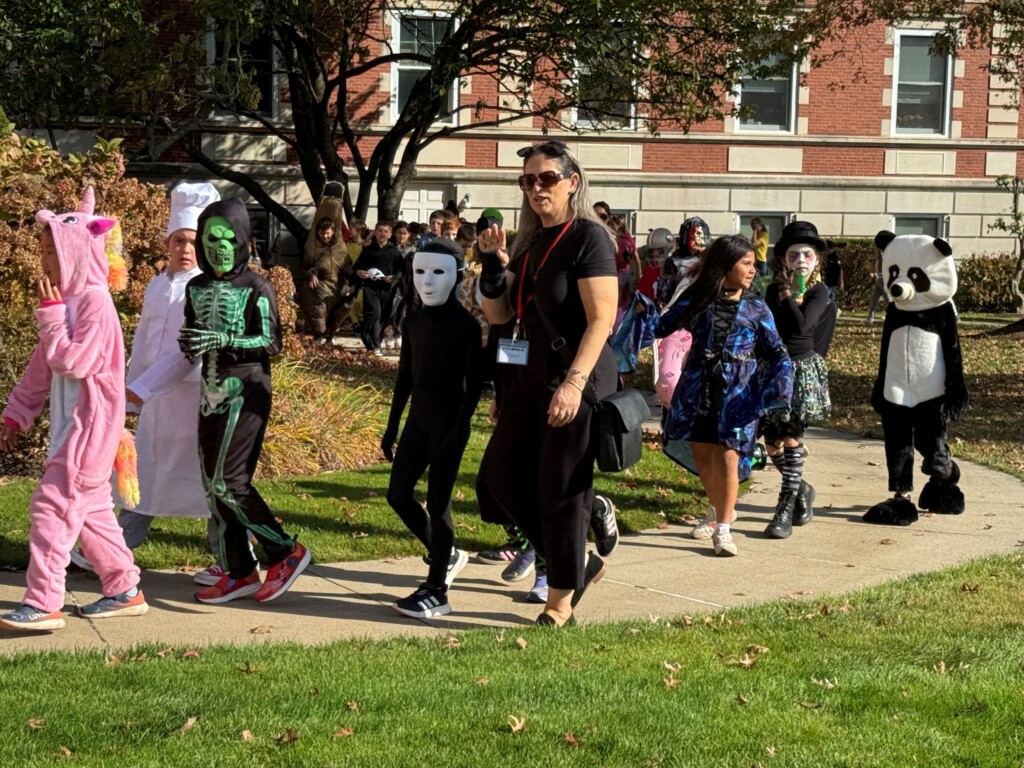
[{"x": 573, "y": 384}]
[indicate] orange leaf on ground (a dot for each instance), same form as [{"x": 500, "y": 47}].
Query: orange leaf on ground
[
  {"x": 189, "y": 724},
  {"x": 262, "y": 629},
  {"x": 342, "y": 733},
  {"x": 34, "y": 723},
  {"x": 521, "y": 642},
  {"x": 571, "y": 740},
  {"x": 517, "y": 723},
  {"x": 246, "y": 735},
  {"x": 290, "y": 736}
]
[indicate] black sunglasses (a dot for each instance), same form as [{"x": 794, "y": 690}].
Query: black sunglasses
[{"x": 547, "y": 179}]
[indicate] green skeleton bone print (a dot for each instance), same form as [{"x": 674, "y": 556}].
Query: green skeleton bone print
[{"x": 220, "y": 309}]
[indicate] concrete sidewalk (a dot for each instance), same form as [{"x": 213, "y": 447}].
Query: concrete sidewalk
[{"x": 659, "y": 573}]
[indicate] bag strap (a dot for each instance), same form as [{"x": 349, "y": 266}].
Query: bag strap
[{"x": 561, "y": 346}]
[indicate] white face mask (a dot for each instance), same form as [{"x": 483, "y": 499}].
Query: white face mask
[
  {"x": 434, "y": 276},
  {"x": 801, "y": 258}
]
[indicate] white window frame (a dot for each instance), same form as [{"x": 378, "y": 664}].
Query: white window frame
[
  {"x": 947, "y": 100},
  {"x": 455, "y": 94},
  {"x": 794, "y": 93},
  {"x": 275, "y": 79},
  {"x": 941, "y": 221}
]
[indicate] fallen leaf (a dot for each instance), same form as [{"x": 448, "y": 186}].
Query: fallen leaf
[
  {"x": 187, "y": 726},
  {"x": 672, "y": 667},
  {"x": 850, "y": 565},
  {"x": 671, "y": 682},
  {"x": 342, "y": 733},
  {"x": 740, "y": 699},
  {"x": 141, "y": 657},
  {"x": 290, "y": 736},
  {"x": 747, "y": 661},
  {"x": 113, "y": 661},
  {"x": 571, "y": 740},
  {"x": 809, "y": 705},
  {"x": 353, "y": 706},
  {"x": 940, "y": 667},
  {"x": 686, "y": 622},
  {"x": 521, "y": 642},
  {"x": 756, "y": 649},
  {"x": 500, "y": 637},
  {"x": 905, "y": 694},
  {"x": 482, "y": 681},
  {"x": 739, "y": 594},
  {"x": 887, "y": 541},
  {"x": 451, "y": 643},
  {"x": 165, "y": 651},
  {"x": 986, "y": 527},
  {"x": 262, "y": 629},
  {"x": 467, "y": 526},
  {"x": 64, "y": 751},
  {"x": 770, "y": 751},
  {"x": 246, "y": 735},
  {"x": 360, "y": 535},
  {"x": 517, "y": 723},
  {"x": 34, "y": 723},
  {"x": 968, "y": 587},
  {"x": 391, "y": 560},
  {"x": 873, "y": 464},
  {"x": 802, "y": 592},
  {"x": 248, "y": 669},
  {"x": 662, "y": 525},
  {"x": 633, "y": 631},
  {"x": 895, "y": 714},
  {"x": 371, "y": 494},
  {"x": 192, "y": 653},
  {"x": 314, "y": 691},
  {"x": 824, "y": 682}
]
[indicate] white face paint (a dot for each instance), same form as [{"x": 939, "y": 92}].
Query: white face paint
[
  {"x": 802, "y": 259},
  {"x": 434, "y": 276}
]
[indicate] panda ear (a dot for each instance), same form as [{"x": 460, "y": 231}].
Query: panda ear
[
  {"x": 883, "y": 238},
  {"x": 943, "y": 247}
]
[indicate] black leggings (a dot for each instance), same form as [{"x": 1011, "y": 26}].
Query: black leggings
[
  {"x": 544, "y": 477},
  {"x": 229, "y": 448},
  {"x": 419, "y": 447}
]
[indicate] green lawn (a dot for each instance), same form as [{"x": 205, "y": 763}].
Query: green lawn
[{"x": 923, "y": 672}]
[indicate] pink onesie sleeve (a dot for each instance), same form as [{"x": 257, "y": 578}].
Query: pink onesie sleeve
[
  {"x": 86, "y": 354},
  {"x": 29, "y": 395}
]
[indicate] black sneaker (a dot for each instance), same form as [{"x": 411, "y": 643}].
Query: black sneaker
[
  {"x": 426, "y": 602},
  {"x": 604, "y": 525}
]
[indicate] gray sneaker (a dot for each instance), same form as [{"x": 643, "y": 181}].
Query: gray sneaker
[
  {"x": 539, "y": 591},
  {"x": 521, "y": 567},
  {"x": 457, "y": 562}
]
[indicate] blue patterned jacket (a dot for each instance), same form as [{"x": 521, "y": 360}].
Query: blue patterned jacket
[{"x": 757, "y": 370}]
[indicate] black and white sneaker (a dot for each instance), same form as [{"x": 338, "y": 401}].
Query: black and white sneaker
[
  {"x": 426, "y": 602},
  {"x": 456, "y": 563},
  {"x": 604, "y": 525}
]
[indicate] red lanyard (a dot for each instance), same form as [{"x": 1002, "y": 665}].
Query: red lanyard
[{"x": 520, "y": 304}]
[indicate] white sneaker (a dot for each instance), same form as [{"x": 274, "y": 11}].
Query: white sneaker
[
  {"x": 706, "y": 527},
  {"x": 78, "y": 558},
  {"x": 210, "y": 576},
  {"x": 724, "y": 545}
]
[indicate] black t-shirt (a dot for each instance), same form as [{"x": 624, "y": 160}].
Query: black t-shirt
[
  {"x": 387, "y": 258},
  {"x": 585, "y": 250},
  {"x": 796, "y": 323}
]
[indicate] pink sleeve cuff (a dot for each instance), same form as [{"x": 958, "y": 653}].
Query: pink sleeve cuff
[
  {"x": 50, "y": 303},
  {"x": 11, "y": 424}
]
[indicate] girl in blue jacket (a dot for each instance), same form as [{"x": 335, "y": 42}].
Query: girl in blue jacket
[{"x": 737, "y": 370}]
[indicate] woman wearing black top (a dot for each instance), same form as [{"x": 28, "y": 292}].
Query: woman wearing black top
[
  {"x": 800, "y": 304},
  {"x": 539, "y": 460}
]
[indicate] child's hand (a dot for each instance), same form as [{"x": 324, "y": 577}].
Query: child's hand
[
  {"x": 314, "y": 281},
  {"x": 48, "y": 292},
  {"x": 195, "y": 341},
  {"x": 8, "y": 439}
]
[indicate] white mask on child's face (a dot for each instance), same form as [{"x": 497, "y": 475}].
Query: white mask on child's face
[
  {"x": 802, "y": 259},
  {"x": 434, "y": 275}
]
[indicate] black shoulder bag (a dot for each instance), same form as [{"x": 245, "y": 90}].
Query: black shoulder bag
[{"x": 616, "y": 427}]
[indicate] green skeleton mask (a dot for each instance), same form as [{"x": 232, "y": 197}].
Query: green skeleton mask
[{"x": 219, "y": 244}]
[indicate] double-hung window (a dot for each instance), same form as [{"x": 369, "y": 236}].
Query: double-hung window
[
  {"x": 769, "y": 101},
  {"x": 419, "y": 34},
  {"x": 921, "y": 87}
]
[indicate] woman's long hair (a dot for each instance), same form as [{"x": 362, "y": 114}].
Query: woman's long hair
[
  {"x": 719, "y": 258},
  {"x": 579, "y": 201}
]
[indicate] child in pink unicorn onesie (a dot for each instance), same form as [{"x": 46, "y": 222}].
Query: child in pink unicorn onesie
[{"x": 79, "y": 364}]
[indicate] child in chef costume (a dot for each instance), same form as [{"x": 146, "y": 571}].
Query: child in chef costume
[{"x": 163, "y": 387}]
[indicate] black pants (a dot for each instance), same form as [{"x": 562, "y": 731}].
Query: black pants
[
  {"x": 922, "y": 427},
  {"x": 376, "y": 308},
  {"x": 544, "y": 476},
  {"x": 230, "y": 441},
  {"x": 421, "y": 446}
]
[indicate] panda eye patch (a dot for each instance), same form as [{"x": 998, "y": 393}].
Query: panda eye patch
[
  {"x": 894, "y": 271},
  {"x": 920, "y": 279}
]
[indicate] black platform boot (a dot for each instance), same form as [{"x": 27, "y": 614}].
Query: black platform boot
[
  {"x": 803, "y": 513},
  {"x": 782, "y": 524}
]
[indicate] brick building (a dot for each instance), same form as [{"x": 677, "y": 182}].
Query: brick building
[{"x": 914, "y": 145}]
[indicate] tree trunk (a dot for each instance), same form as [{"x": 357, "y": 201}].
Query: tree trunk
[{"x": 1015, "y": 327}]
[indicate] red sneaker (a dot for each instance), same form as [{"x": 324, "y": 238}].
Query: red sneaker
[
  {"x": 228, "y": 589},
  {"x": 281, "y": 576}
]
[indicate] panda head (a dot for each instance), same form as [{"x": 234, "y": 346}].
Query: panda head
[{"x": 918, "y": 271}]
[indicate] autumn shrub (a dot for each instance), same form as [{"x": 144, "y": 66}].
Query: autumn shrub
[
  {"x": 319, "y": 424},
  {"x": 983, "y": 283}
]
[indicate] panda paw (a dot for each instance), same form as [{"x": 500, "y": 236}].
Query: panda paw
[{"x": 895, "y": 511}]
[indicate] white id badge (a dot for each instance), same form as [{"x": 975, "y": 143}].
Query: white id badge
[{"x": 512, "y": 352}]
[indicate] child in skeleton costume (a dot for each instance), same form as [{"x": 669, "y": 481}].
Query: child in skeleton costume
[
  {"x": 165, "y": 386},
  {"x": 231, "y": 321},
  {"x": 805, "y": 317},
  {"x": 79, "y": 365},
  {"x": 326, "y": 292},
  {"x": 440, "y": 367}
]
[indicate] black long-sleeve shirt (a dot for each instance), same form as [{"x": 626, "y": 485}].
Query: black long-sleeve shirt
[{"x": 797, "y": 322}]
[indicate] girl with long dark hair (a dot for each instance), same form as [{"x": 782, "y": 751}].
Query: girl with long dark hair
[{"x": 737, "y": 371}]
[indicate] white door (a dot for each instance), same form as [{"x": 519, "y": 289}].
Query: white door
[{"x": 419, "y": 202}]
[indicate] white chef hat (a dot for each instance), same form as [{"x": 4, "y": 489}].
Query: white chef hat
[{"x": 187, "y": 202}]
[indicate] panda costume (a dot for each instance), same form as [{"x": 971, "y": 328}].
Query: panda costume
[{"x": 920, "y": 385}]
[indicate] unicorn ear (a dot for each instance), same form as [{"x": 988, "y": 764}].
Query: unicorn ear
[
  {"x": 88, "y": 201},
  {"x": 99, "y": 227}
]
